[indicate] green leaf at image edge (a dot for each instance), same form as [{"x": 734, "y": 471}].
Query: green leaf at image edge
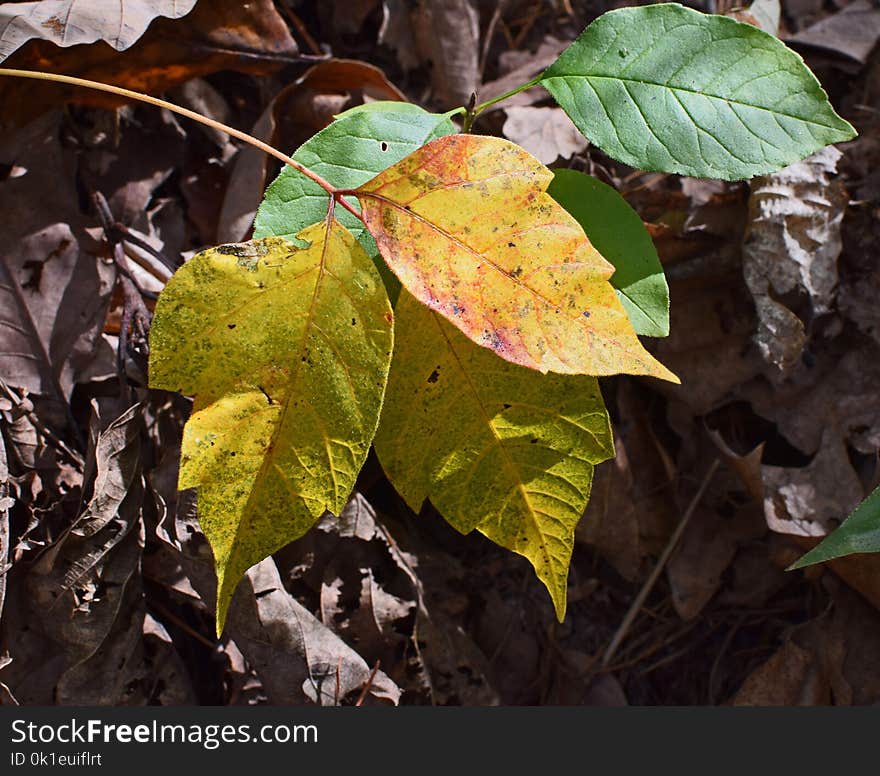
[
  {"x": 617, "y": 232},
  {"x": 860, "y": 532},
  {"x": 666, "y": 88}
]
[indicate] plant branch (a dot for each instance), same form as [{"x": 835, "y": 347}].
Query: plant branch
[
  {"x": 521, "y": 88},
  {"x": 348, "y": 206},
  {"x": 132, "y": 95}
]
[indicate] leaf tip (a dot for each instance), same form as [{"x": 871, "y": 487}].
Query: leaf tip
[
  {"x": 560, "y": 604},
  {"x": 658, "y": 370}
]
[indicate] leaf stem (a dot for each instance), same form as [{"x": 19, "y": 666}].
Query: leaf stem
[
  {"x": 337, "y": 196},
  {"x": 232, "y": 132},
  {"x": 528, "y": 85}
]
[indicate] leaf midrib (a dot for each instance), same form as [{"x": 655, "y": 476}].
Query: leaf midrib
[
  {"x": 452, "y": 238},
  {"x": 269, "y": 460},
  {"x": 589, "y": 76},
  {"x": 509, "y": 462}
]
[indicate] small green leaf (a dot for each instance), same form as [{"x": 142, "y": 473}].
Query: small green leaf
[
  {"x": 860, "y": 532},
  {"x": 663, "y": 87},
  {"x": 617, "y": 232},
  {"x": 495, "y": 446},
  {"x": 286, "y": 350},
  {"x": 362, "y": 142}
]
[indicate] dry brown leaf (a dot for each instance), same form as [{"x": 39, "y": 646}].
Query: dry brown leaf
[
  {"x": 789, "y": 678},
  {"x": 218, "y": 35},
  {"x": 53, "y": 293},
  {"x": 838, "y": 390},
  {"x": 707, "y": 549},
  {"x": 74, "y": 22},
  {"x": 829, "y": 660},
  {"x": 297, "y": 657},
  {"x": 611, "y": 521},
  {"x": 349, "y": 15},
  {"x": 790, "y": 252},
  {"x": 711, "y": 323},
  {"x": 445, "y": 33},
  {"x": 851, "y": 33},
  {"x": 526, "y": 65},
  {"x": 812, "y": 501},
  {"x": 546, "y": 133}
]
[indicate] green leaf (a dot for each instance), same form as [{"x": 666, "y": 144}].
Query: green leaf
[
  {"x": 617, "y": 232},
  {"x": 287, "y": 351},
  {"x": 860, "y": 532},
  {"x": 362, "y": 142},
  {"x": 663, "y": 87},
  {"x": 495, "y": 446}
]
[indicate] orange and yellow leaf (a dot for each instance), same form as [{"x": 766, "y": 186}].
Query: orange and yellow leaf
[{"x": 466, "y": 224}]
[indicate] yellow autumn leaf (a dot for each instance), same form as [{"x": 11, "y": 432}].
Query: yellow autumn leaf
[
  {"x": 495, "y": 447},
  {"x": 287, "y": 352},
  {"x": 467, "y": 226}
]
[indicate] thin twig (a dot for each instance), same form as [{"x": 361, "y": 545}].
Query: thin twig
[
  {"x": 362, "y": 697},
  {"x": 301, "y": 29},
  {"x": 136, "y": 317},
  {"x": 168, "y": 615},
  {"x": 640, "y": 599},
  {"x": 651, "y": 650},
  {"x": 490, "y": 33}
]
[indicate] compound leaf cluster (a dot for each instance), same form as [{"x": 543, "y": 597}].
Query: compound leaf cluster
[{"x": 494, "y": 289}]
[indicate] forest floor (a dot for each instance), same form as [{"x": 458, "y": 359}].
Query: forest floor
[{"x": 769, "y": 442}]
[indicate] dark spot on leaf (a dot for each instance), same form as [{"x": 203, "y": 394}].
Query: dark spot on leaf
[
  {"x": 516, "y": 272},
  {"x": 511, "y": 245},
  {"x": 586, "y": 313},
  {"x": 383, "y": 145},
  {"x": 55, "y": 24},
  {"x": 354, "y": 322},
  {"x": 33, "y": 282},
  {"x": 230, "y": 326},
  {"x": 506, "y": 406},
  {"x": 533, "y": 441},
  {"x": 435, "y": 375}
]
